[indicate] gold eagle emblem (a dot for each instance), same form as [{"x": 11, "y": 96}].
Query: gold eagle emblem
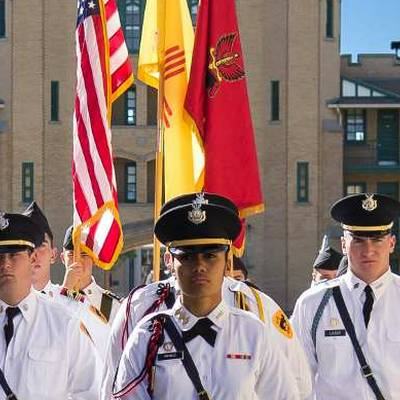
[{"x": 223, "y": 63}]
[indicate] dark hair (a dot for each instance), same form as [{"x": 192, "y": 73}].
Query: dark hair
[{"x": 238, "y": 265}]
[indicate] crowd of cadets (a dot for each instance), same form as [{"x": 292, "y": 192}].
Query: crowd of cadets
[{"x": 201, "y": 334}]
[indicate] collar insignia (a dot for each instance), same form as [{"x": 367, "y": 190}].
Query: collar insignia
[
  {"x": 369, "y": 204},
  {"x": 4, "y": 222},
  {"x": 197, "y": 215},
  {"x": 181, "y": 315}
]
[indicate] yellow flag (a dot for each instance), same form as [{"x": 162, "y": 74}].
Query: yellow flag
[{"x": 164, "y": 63}]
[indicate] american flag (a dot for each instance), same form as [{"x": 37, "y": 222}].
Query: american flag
[{"x": 103, "y": 73}]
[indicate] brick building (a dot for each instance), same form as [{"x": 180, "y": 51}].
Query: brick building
[{"x": 291, "y": 51}]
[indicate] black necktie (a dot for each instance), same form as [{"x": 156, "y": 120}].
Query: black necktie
[
  {"x": 203, "y": 328},
  {"x": 11, "y": 312},
  {"x": 369, "y": 302}
]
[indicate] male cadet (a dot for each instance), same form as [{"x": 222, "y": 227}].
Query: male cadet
[
  {"x": 46, "y": 255},
  {"x": 78, "y": 276},
  {"x": 161, "y": 295},
  {"x": 349, "y": 326},
  {"x": 326, "y": 263},
  {"x": 44, "y": 355},
  {"x": 201, "y": 348}
]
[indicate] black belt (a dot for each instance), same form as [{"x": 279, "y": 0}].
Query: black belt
[
  {"x": 348, "y": 324},
  {"x": 7, "y": 390}
]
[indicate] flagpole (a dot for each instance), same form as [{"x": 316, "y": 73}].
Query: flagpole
[{"x": 158, "y": 192}]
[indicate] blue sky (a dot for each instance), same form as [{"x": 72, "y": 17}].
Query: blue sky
[{"x": 368, "y": 26}]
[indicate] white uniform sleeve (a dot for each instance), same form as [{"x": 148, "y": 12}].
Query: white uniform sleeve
[
  {"x": 274, "y": 380},
  {"x": 292, "y": 349},
  {"x": 113, "y": 353},
  {"x": 302, "y": 321},
  {"x": 84, "y": 364},
  {"x": 132, "y": 363}
]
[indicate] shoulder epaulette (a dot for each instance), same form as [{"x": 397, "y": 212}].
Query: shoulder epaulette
[
  {"x": 106, "y": 305},
  {"x": 113, "y": 296}
]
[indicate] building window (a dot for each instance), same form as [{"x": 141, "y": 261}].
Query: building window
[
  {"x": 302, "y": 182},
  {"x": 151, "y": 173},
  {"x": 130, "y": 182},
  {"x": 193, "y": 8},
  {"x": 329, "y": 18},
  {"x": 274, "y": 100},
  {"x": 355, "y": 125},
  {"x": 2, "y": 18},
  {"x": 27, "y": 182},
  {"x": 130, "y": 106},
  {"x": 131, "y": 14},
  {"x": 355, "y": 188},
  {"x": 54, "y": 100}
]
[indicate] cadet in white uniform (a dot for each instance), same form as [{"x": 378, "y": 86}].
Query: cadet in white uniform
[
  {"x": 78, "y": 276},
  {"x": 234, "y": 354},
  {"x": 161, "y": 295},
  {"x": 78, "y": 304},
  {"x": 371, "y": 296},
  {"x": 45, "y": 352}
]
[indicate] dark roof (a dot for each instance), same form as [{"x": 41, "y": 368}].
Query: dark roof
[{"x": 389, "y": 87}]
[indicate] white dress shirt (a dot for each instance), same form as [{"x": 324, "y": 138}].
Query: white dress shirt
[
  {"x": 242, "y": 365},
  {"x": 143, "y": 298},
  {"x": 49, "y": 357},
  {"x": 334, "y": 364}
]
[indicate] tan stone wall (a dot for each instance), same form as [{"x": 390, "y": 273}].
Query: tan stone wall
[{"x": 5, "y": 113}]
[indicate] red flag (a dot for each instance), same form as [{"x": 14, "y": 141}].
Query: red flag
[
  {"x": 218, "y": 103},
  {"x": 103, "y": 72}
]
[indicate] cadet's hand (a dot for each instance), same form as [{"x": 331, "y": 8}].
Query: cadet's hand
[{"x": 73, "y": 275}]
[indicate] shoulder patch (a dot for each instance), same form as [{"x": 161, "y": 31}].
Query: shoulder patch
[
  {"x": 281, "y": 322},
  {"x": 98, "y": 313},
  {"x": 113, "y": 296}
]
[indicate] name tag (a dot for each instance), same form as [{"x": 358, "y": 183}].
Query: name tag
[
  {"x": 335, "y": 332},
  {"x": 177, "y": 355}
]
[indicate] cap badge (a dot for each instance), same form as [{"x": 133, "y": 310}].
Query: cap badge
[
  {"x": 369, "y": 204},
  {"x": 4, "y": 222},
  {"x": 197, "y": 215}
]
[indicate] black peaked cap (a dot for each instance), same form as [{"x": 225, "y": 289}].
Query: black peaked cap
[
  {"x": 198, "y": 216},
  {"x": 18, "y": 232}
]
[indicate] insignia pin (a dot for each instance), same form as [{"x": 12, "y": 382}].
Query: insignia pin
[
  {"x": 369, "y": 204},
  {"x": 197, "y": 215},
  {"x": 334, "y": 322},
  {"x": 168, "y": 346}
]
